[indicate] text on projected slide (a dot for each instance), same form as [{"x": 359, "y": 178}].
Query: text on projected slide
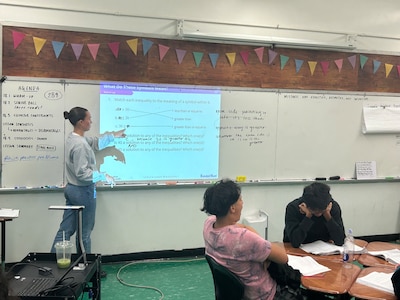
[{"x": 171, "y": 133}]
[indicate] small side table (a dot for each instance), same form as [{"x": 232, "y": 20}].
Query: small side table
[
  {"x": 79, "y": 208},
  {"x": 3, "y": 221},
  {"x": 6, "y": 214}
]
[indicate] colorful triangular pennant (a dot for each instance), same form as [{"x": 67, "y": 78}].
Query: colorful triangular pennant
[
  {"x": 312, "y": 65},
  {"x": 77, "y": 48},
  {"x": 363, "y": 60},
  {"x": 146, "y": 46},
  {"x": 299, "y": 63},
  {"x": 352, "y": 60},
  {"x": 231, "y": 57},
  {"x": 180, "y": 54},
  {"x": 57, "y": 47},
  {"x": 162, "y": 50},
  {"x": 114, "y": 47},
  {"x": 284, "y": 60},
  {"x": 376, "y": 64},
  {"x": 93, "y": 49},
  {"x": 260, "y": 53},
  {"x": 271, "y": 56},
  {"x": 388, "y": 69},
  {"x": 198, "y": 56},
  {"x": 339, "y": 64},
  {"x": 213, "y": 57},
  {"x": 39, "y": 43},
  {"x": 133, "y": 43},
  {"x": 17, "y": 38},
  {"x": 245, "y": 56},
  {"x": 324, "y": 66}
]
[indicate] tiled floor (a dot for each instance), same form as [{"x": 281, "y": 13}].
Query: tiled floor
[
  {"x": 174, "y": 279},
  {"x": 177, "y": 279},
  {"x": 183, "y": 279}
]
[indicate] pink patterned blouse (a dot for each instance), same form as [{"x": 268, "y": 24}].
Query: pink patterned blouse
[{"x": 243, "y": 252}]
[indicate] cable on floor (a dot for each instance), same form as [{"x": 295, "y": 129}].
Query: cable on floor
[{"x": 150, "y": 261}]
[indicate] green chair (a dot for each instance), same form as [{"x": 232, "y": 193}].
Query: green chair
[{"x": 227, "y": 285}]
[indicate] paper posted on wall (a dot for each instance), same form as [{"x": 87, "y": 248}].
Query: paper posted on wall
[{"x": 366, "y": 170}]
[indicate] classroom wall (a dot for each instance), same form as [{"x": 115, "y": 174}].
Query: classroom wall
[
  {"x": 375, "y": 28},
  {"x": 169, "y": 218},
  {"x": 135, "y": 220}
]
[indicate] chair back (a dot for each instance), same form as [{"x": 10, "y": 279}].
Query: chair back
[
  {"x": 227, "y": 285},
  {"x": 396, "y": 282}
]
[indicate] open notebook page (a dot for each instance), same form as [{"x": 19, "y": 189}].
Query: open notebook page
[
  {"x": 307, "y": 265},
  {"x": 392, "y": 255},
  {"x": 324, "y": 248},
  {"x": 379, "y": 280}
]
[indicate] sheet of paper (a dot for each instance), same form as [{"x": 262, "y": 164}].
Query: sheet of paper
[
  {"x": 366, "y": 170},
  {"x": 9, "y": 213},
  {"x": 379, "y": 280},
  {"x": 381, "y": 119},
  {"x": 307, "y": 265},
  {"x": 321, "y": 248},
  {"x": 324, "y": 248},
  {"x": 392, "y": 255}
]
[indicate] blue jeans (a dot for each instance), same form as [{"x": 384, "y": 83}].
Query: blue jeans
[{"x": 78, "y": 195}]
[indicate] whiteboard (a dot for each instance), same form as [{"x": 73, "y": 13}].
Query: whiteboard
[
  {"x": 32, "y": 133},
  {"x": 320, "y": 135},
  {"x": 264, "y": 134},
  {"x": 248, "y": 134}
]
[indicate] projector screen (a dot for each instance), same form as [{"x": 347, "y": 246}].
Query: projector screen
[{"x": 172, "y": 133}]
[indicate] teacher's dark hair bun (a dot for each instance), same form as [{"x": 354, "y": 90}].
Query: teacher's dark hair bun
[{"x": 75, "y": 114}]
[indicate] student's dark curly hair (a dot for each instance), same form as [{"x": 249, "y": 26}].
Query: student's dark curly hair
[
  {"x": 317, "y": 196},
  {"x": 219, "y": 197}
]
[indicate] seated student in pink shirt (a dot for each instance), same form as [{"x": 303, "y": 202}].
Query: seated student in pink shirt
[{"x": 237, "y": 247}]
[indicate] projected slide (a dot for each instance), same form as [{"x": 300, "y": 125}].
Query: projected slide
[{"x": 172, "y": 133}]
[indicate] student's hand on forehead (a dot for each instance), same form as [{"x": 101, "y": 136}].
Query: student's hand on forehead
[
  {"x": 303, "y": 207},
  {"x": 305, "y": 210},
  {"x": 309, "y": 212},
  {"x": 327, "y": 211},
  {"x": 329, "y": 207}
]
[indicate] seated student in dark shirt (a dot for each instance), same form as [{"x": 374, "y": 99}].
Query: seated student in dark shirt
[{"x": 314, "y": 216}]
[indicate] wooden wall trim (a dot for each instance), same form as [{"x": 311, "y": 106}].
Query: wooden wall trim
[{"x": 253, "y": 72}]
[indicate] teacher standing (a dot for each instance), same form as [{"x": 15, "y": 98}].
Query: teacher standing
[{"x": 82, "y": 175}]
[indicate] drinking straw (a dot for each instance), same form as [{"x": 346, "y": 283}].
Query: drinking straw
[{"x": 64, "y": 244}]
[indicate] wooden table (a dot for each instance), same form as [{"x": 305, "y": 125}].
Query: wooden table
[
  {"x": 361, "y": 291},
  {"x": 336, "y": 257},
  {"x": 335, "y": 282},
  {"x": 373, "y": 261}
]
